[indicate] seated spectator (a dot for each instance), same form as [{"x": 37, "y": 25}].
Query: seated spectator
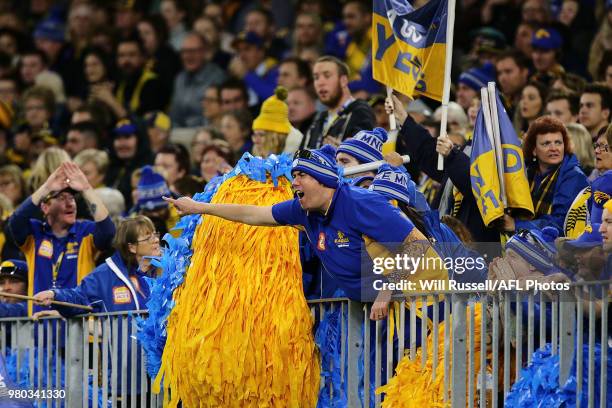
[
  {"x": 553, "y": 174},
  {"x": 163, "y": 60},
  {"x": 38, "y": 107},
  {"x": 31, "y": 64},
  {"x": 60, "y": 250},
  {"x": 308, "y": 33},
  {"x": 13, "y": 280},
  {"x": 46, "y": 163},
  {"x": 98, "y": 71},
  {"x": 569, "y": 82},
  {"x": 603, "y": 153},
  {"x": 546, "y": 46},
  {"x": 139, "y": 90},
  {"x": 583, "y": 148},
  {"x": 272, "y": 132},
  {"x": 203, "y": 138},
  {"x": 563, "y": 106},
  {"x": 236, "y": 129},
  {"x": 233, "y": 95},
  {"x": 94, "y": 164},
  {"x": 512, "y": 74},
  {"x": 595, "y": 108},
  {"x": 470, "y": 82},
  {"x": 158, "y": 129},
  {"x": 130, "y": 151},
  {"x": 9, "y": 91},
  {"x": 212, "y": 32},
  {"x": 364, "y": 147},
  {"x": 150, "y": 190},
  {"x": 81, "y": 136},
  {"x": 216, "y": 160},
  {"x": 531, "y": 106},
  {"x": 20, "y": 153},
  {"x": 173, "y": 162},
  {"x": 302, "y": 103},
  {"x": 12, "y": 184},
  {"x": 175, "y": 14},
  {"x": 259, "y": 72},
  {"x": 351, "y": 41},
  {"x": 211, "y": 107},
  {"x": 189, "y": 185},
  {"x": 190, "y": 84},
  {"x": 294, "y": 73}
]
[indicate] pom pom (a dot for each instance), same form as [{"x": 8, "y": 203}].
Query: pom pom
[
  {"x": 329, "y": 151},
  {"x": 549, "y": 234},
  {"x": 381, "y": 134},
  {"x": 281, "y": 93}
]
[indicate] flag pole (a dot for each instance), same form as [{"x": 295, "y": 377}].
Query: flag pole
[
  {"x": 448, "y": 62},
  {"x": 392, "y": 124},
  {"x": 497, "y": 141}
]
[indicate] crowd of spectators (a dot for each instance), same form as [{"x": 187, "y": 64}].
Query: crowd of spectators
[{"x": 153, "y": 98}]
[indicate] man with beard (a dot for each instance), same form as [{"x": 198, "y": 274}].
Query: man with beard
[
  {"x": 345, "y": 115},
  {"x": 139, "y": 91},
  {"x": 60, "y": 251}
]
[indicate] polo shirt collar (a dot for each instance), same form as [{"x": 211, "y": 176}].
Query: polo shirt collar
[
  {"x": 325, "y": 217},
  {"x": 47, "y": 229}
]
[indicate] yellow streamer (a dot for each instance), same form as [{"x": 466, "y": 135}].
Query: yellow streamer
[{"x": 240, "y": 334}]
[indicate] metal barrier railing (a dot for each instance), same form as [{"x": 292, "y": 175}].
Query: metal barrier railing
[{"x": 98, "y": 362}]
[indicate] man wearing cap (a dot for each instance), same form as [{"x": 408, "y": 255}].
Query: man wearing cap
[
  {"x": 13, "y": 280},
  {"x": 60, "y": 251},
  {"x": 470, "y": 82},
  {"x": 546, "y": 44},
  {"x": 260, "y": 73},
  {"x": 158, "y": 129},
  {"x": 338, "y": 219}
]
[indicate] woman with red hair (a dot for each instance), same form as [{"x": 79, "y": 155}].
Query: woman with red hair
[{"x": 553, "y": 172}]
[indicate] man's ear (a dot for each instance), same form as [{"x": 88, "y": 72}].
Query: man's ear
[
  {"x": 344, "y": 81},
  {"x": 44, "y": 207}
]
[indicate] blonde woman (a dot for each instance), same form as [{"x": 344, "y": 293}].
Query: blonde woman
[
  {"x": 272, "y": 132},
  {"x": 580, "y": 139},
  {"x": 49, "y": 161}
]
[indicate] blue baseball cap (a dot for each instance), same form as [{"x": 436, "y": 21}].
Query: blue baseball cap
[
  {"x": 546, "y": 39},
  {"x": 590, "y": 238},
  {"x": 248, "y": 37},
  {"x": 125, "y": 128}
]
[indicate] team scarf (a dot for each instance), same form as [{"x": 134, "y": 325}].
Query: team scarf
[{"x": 543, "y": 193}]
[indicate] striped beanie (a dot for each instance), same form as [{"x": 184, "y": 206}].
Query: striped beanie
[
  {"x": 151, "y": 188},
  {"x": 365, "y": 146},
  {"x": 536, "y": 247},
  {"x": 392, "y": 182},
  {"x": 319, "y": 164}
]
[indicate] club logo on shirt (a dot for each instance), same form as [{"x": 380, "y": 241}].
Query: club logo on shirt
[
  {"x": 71, "y": 248},
  {"x": 46, "y": 249},
  {"x": 121, "y": 295},
  {"x": 321, "y": 242},
  {"x": 342, "y": 241}
]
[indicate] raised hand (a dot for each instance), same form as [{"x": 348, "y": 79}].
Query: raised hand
[
  {"x": 57, "y": 180},
  {"x": 75, "y": 177},
  {"x": 394, "y": 106}
]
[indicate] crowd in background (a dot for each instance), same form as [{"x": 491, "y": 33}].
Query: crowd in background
[{"x": 157, "y": 98}]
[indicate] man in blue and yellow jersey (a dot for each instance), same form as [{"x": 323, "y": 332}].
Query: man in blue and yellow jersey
[
  {"x": 348, "y": 227},
  {"x": 60, "y": 251}
]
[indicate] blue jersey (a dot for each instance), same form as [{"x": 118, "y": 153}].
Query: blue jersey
[
  {"x": 13, "y": 309},
  {"x": 339, "y": 237},
  {"x": 52, "y": 261}
]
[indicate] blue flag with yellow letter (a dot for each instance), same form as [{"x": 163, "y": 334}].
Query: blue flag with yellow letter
[
  {"x": 409, "y": 46},
  {"x": 518, "y": 193},
  {"x": 483, "y": 173}
]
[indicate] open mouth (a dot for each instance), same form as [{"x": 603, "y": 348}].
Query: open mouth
[{"x": 299, "y": 194}]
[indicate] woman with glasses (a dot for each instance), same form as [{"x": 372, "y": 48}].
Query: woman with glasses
[
  {"x": 119, "y": 283},
  {"x": 553, "y": 172},
  {"x": 603, "y": 151}
]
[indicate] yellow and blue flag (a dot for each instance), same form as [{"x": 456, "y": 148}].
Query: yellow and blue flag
[
  {"x": 409, "y": 46},
  {"x": 518, "y": 193},
  {"x": 484, "y": 176}
]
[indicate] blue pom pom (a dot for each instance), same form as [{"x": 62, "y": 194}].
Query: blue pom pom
[{"x": 381, "y": 134}]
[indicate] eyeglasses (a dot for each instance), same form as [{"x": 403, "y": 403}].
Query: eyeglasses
[
  {"x": 151, "y": 238},
  {"x": 601, "y": 146}
]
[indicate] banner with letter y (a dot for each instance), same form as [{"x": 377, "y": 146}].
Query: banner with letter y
[{"x": 409, "y": 46}]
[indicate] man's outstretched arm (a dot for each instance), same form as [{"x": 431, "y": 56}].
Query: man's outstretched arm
[{"x": 246, "y": 214}]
